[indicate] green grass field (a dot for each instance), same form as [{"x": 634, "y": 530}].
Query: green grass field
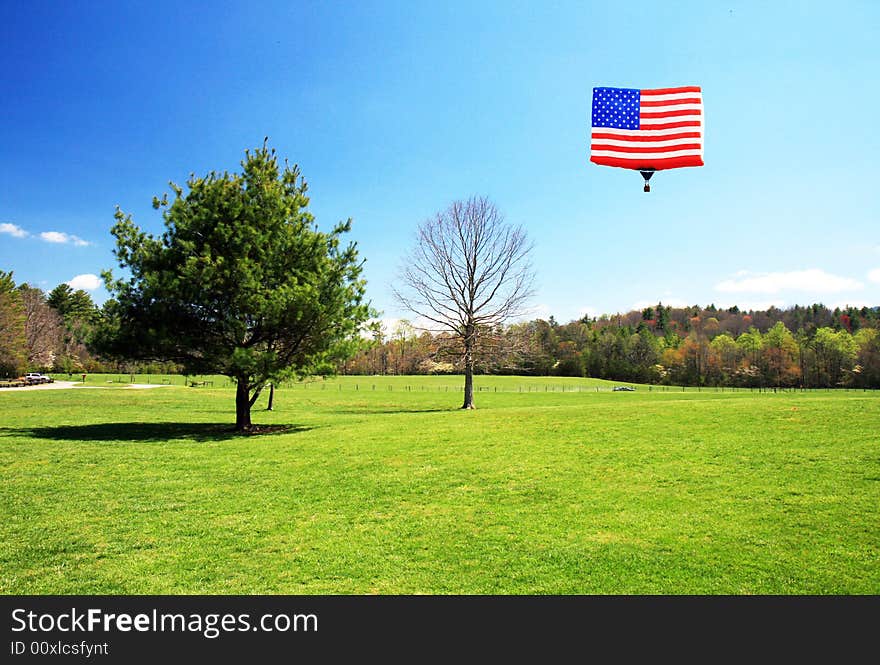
[{"x": 392, "y": 489}]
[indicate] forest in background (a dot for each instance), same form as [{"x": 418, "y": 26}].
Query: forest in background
[
  {"x": 801, "y": 346},
  {"x": 55, "y": 332},
  {"x": 810, "y": 346}
]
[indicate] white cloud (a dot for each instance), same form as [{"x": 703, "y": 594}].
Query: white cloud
[
  {"x": 874, "y": 275},
  {"x": 54, "y": 236},
  {"x": 562, "y": 314},
  {"x": 87, "y": 282},
  {"x": 667, "y": 302},
  {"x": 541, "y": 311},
  {"x": 813, "y": 280},
  {"x": 843, "y": 304},
  {"x": 13, "y": 230},
  {"x": 384, "y": 325},
  {"x": 752, "y": 305},
  {"x": 592, "y": 312},
  {"x": 393, "y": 326},
  {"x": 62, "y": 238}
]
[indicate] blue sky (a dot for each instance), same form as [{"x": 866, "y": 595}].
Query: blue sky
[{"x": 393, "y": 110}]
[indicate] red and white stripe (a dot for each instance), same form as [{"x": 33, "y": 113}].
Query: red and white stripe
[{"x": 670, "y": 134}]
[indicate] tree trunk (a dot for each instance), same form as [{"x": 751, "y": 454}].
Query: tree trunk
[
  {"x": 242, "y": 405},
  {"x": 468, "y": 374},
  {"x": 271, "y": 396}
]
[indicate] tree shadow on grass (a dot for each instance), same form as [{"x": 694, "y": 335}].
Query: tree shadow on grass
[{"x": 149, "y": 432}]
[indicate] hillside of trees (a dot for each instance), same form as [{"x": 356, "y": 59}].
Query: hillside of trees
[
  {"x": 53, "y": 331},
  {"x": 800, "y": 346},
  {"x": 811, "y": 346}
]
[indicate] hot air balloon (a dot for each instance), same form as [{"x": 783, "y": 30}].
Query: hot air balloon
[{"x": 647, "y": 130}]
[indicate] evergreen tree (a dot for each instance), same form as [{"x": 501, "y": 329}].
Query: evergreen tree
[
  {"x": 241, "y": 283},
  {"x": 13, "y": 343},
  {"x": 662, "y": 317}
]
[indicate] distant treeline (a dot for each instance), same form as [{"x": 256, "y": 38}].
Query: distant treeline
[
  {"x": 54, "y": 332},
  {"x": 801, "y": 346},
  {"x": 700, "y": 346}
]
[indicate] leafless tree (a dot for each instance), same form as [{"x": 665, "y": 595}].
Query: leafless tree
[
  {"x": 467, "y": 274},
  {"x": 43, "y": 328}
]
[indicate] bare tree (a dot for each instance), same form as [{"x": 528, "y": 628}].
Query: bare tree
[
  {"x": 467, "y": 274},
  {"x": 43, "y": 328}
]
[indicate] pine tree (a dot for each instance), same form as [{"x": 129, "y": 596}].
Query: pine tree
[{"x": 241, "y": 283}]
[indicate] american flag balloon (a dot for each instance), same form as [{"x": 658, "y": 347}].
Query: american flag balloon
[{"x": 647, "y": 130}]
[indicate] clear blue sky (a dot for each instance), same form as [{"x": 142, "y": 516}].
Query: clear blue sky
[{"x": 395, "y": 109}]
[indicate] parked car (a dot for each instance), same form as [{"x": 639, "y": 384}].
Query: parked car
[
  {"x": 32, "y": 378},
  {"x": 623, "y": 388}
]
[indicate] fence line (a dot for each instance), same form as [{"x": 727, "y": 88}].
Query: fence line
[{"x": 215, "y": 381}]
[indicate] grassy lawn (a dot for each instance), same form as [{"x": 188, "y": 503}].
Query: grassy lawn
[{"x": 383, "y": 486}]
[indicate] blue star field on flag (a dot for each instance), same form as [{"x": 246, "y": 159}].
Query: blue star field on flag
[{"x": 616, "y": 107}]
